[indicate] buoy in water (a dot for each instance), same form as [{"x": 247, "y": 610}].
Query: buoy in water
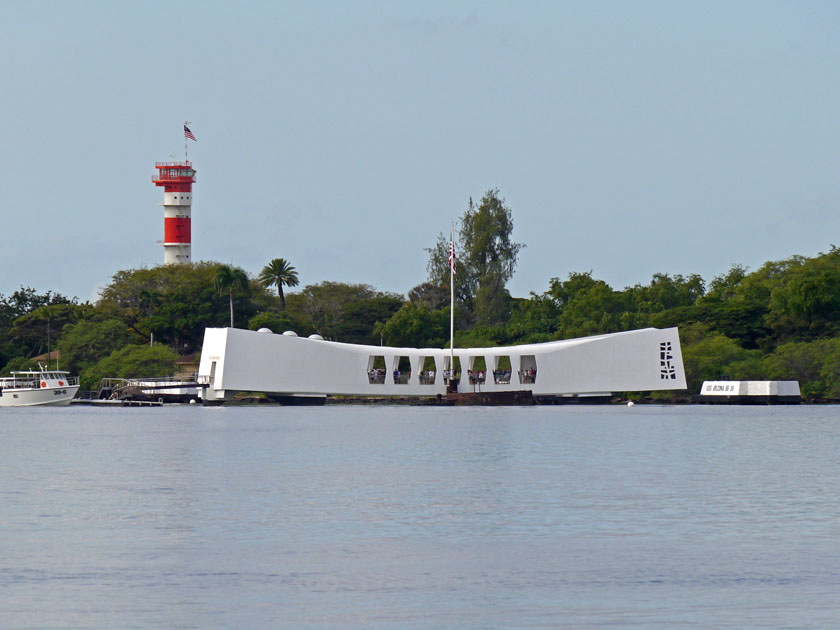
[{"x": 631, "y": 404}]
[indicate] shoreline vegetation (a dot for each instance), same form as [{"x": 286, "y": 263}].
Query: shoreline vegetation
[{"x": 778, "y": 322}]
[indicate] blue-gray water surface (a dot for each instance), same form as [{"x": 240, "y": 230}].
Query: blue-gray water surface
[{"x": 420, "y": 517}]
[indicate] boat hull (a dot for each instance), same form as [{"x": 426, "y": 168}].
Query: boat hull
[{"x": 49, "y": 396}]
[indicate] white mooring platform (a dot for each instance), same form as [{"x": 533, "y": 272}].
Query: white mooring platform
[{"x": 750, "y": 393}]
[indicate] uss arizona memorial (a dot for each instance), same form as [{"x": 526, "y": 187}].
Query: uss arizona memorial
[{"x": 285, "y": 365}]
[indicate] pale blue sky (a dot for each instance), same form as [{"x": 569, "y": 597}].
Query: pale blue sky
[{"x": 628, "y": 138}]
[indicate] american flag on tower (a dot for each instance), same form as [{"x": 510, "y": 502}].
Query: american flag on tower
[
  {"x": 452, "y": 256},
  {"x": 188, "y": 133}
]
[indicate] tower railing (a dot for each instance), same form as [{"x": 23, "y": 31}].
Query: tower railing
[
  {"x": 184, "y": 163},
  {"x": 175, "y": 180}
]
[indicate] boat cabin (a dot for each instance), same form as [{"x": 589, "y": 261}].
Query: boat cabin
[{"x": 34, "y": 379}]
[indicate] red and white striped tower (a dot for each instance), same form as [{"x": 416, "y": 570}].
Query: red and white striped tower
[{"x": 177, "y": 179}]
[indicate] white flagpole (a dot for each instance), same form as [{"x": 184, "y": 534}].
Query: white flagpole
[{"x": 452, "y": 304}]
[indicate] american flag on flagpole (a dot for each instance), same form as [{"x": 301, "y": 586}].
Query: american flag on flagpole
[
  {"x": 452, "y": 256},
  {"x": 188, "y": 133}
]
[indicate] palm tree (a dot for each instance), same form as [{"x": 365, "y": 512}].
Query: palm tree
[
  {"x": 279, "y": 273},
  {"x": 230, "y": 279}
]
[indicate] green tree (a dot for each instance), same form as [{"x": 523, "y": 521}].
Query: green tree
[
  {"x": 335, "y": 309},
  {"x": 18, "y": 364},
  {"x": 176, "y": 303},
  {"x": 804, "y": 362},
  {"x": 279, "y": 273},
  {"x": 322, "y": 305},
  {"x": 359, "y": 319},
  {"x": 41, "y": 328},
  {"x": 17, "y": 305},
  {"x": 480, "y": 337},
  {"x": 586, "y": 306},
  {"x": 725, "y": 308},
  {"x": 486, "y": 258},
  {"x": 133, "y": 361},
  {"x": 491, "y": 306},
  {"x": 709, "y": 356},
  {"x": 739, "y": 320},
  {"x": 805, "y": 302},
  {"x": 417, "y": 326},
  {"x": 758, "y": 285},
  {"x": 276, "y": 322},
  {"x": 830, "y": 369},
  {"x": 532, "y": 321},
  {"x": 230, "y": 279},
  {"x": 25, "y": 300},
  {"x": 564, "y": 292},
  {"x": 665, "y": 292},
  {"x": 434, "y": 296},
  {"x": 724, "y": 286},
  {"x": 86, "y": 342}
]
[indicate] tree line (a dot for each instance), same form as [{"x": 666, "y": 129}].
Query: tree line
[{"x": 781, "y": 321}]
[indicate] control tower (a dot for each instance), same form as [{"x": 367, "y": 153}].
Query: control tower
[{"x": 177, "y": 179}]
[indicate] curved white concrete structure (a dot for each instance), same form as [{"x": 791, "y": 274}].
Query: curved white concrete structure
[{"x": 243, "y": 360}]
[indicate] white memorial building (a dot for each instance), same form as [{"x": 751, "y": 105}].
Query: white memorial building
[{"x": 283, "y": 365}]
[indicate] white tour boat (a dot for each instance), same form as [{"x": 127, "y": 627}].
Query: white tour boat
[{"x": 37, "y": 387}]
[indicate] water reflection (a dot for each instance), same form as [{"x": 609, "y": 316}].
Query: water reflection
[{"x": 419, "y": 517}]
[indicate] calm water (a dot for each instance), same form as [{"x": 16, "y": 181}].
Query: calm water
[{"x": 396, "y": 517}]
